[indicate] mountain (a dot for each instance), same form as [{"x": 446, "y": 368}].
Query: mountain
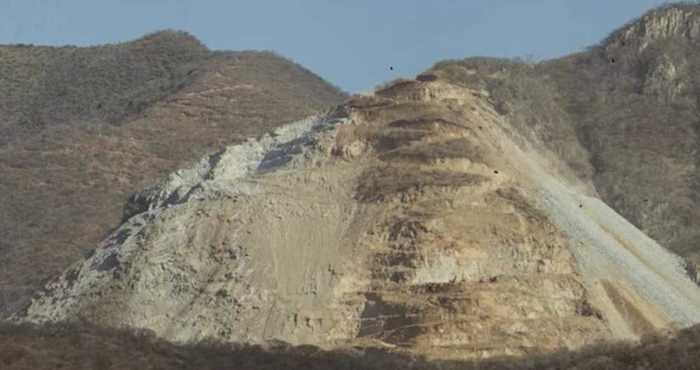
[
  {"x": 488, "y": 208},
  {"x": 410, "y": 219},
  {"x": 82, "y": 128}
]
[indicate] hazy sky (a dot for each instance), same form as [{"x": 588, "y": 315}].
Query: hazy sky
[{"x": 350, "y": 43}]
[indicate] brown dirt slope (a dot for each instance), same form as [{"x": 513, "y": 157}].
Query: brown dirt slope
[
  {"x": 82, "y": 128},
  {"x": 624, "y": 114}
]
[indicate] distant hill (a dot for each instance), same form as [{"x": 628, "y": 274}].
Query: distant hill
[
  {"x": 82, "y": 128},
  {"x": 624, "y": 114}
]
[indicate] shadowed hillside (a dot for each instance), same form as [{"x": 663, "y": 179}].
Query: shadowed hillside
[
  {"x": 81, "y": 346},
  {"x": 82, "y": 128}
]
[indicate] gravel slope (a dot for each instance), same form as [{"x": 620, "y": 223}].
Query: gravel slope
[{"x": 609, "y": 250}]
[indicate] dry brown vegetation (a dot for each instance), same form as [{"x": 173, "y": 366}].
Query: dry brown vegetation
[
  {"x": 82, "y": 128},
  {"x": 81, "y": 346}
]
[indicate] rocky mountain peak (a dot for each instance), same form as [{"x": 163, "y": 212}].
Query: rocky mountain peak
[
  {"x": 678, "y": 20},
  {"x": 175, "y": 45}
]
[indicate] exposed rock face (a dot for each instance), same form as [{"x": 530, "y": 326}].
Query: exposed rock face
[
  {"x": 217, "y": 256},
  {"x": 661, "y": 23},
  {"x": 409, "y": 220}
]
